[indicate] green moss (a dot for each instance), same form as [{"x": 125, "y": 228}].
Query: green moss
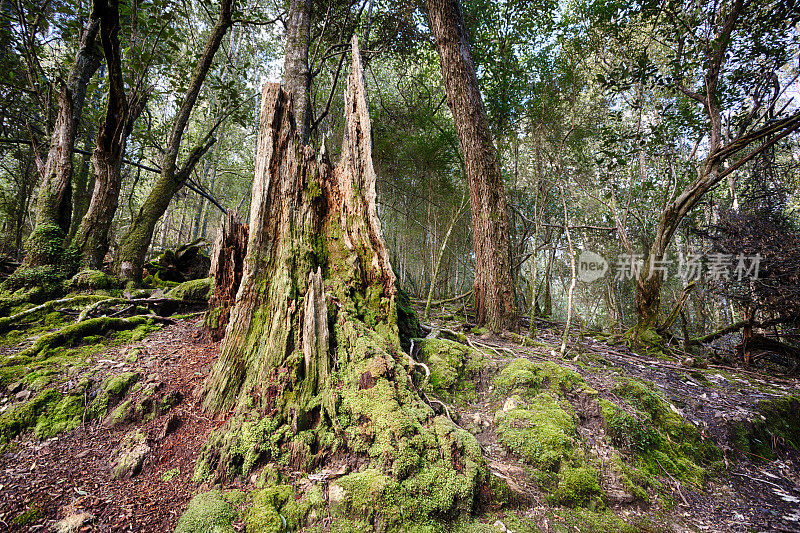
[
  {"x": 274, "y": 510},
  {"x": 775, "y": 426},
  {"x": 64, "y": 416},
  {"x": 452, "y": 365},
  {"x": 578, "y": 487},
  {"x": 128, "y": 336},
  {"x": 526, "y": 378},
  {"x": 650, "y": 428},
  {"x": 196, "y": 289},
  {"x": 21, "y": 417},
  {"x": 588, "y": 521},
  {"x": 112, "y": 392},
  {"x": 541, "y": 432},
  {"x": 92, "y": 280},
  {"x": 208, "y": 512},
  {"x": 169, "y": 474},
  {"x": 27, "y": 517}
]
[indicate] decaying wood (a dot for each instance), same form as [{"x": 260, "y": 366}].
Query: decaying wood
[{"x": 227, "y": 264}]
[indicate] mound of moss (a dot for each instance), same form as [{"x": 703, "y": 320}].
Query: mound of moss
[
  {"x": 453, "y": 366},
  {"x": 208, "y": 512},
  {"x": 526, "y": 378},
  {"x": 196, "y": 289},
  {"x": 776, "y": 426},
  {"x": 92, "y": 280},
  {"x": 648, "y": 427},
  {"x": 542, "y": 431}
]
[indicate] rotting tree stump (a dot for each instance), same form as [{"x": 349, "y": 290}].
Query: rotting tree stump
[
  {"x": 311, "y": 369},
  {"x": 227, "y": 266}
]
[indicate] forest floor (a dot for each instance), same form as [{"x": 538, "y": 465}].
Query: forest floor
[{"x": 67, "y": 480}]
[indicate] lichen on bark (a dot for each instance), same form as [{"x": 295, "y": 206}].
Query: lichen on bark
[{"x": 311, "y": 365}]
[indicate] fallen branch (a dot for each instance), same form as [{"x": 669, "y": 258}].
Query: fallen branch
[
  {"x": 93, "y": 326},
  {"x": 6, "y": 322}
]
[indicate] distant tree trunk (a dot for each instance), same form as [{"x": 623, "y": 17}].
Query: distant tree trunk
[
  {"x": 92, "y": 238},
  {"x": 495, "y": 300},
  {"x": 296, "y": 77},
  {"x": 53, "y": 203},
  {"x": 311, "y": 358},
  {"x": 130, "y": 257}
]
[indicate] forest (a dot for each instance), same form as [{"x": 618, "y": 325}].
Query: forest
[{"x": 430, "y": 266}]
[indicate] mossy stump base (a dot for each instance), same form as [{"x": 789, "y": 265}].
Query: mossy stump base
[{"x": 311, "y": 366}]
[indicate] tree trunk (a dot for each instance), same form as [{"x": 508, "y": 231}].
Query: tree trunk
[
  {"x": 92, "y": 238},
  {"x": 130, "y": 257},
  {"x": 495, "y": 301},
  {"x": 82, "y": 187},
  {"x": 311, "y": 362},
  {"x": 296, "y": 77},
  {"x": 227, "y": 266},
  {"x": 53, "y": 208}
]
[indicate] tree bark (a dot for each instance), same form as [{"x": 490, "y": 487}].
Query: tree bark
[
  {"x": 311, "y": 362},
  {"x": 227, "y": 266},
  {"x": 53, "y": 202},
  {"x": 296, "y": 77},
  {"x": 495, "y": 300},
  {"x": 130, "y": 257},
  {"x": 92, "y": 238}
]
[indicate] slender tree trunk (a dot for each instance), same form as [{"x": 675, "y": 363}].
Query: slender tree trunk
[
  {"x": 135, "y": 243},
  {"x": 92, "y": 238},
  {"x": 311, "y": 360},
  {"x": 495, "y": 301},
  {"x": 83, "y": 185},
  {"x": 53, "y": 208},
  {"x": 296, "y": 78}
]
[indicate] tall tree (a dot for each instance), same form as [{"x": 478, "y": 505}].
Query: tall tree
[
  {"x": 53, "y": 206},
  {"x": 495, "y": 300},
  {"x": 130, "y": 256},
  {"x": 732, "y": 140},
  {"x": 297, "y": 77},
  {"x": 92, "y": 238}
]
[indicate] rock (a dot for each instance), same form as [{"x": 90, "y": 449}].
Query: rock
[
  {"x": 130, "y": 455},
  {"x": 499, "y": 526},
  {"x": 22, "y": 395},
  {"x": 510, "y": 404},
  {"x": 336, "y": 495}
]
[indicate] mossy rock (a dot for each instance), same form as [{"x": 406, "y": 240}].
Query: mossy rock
[
  {"x": 130, "y": 456},
  {"x": 453, "y": 365},
  {"x": 541, "y": 432},
  {"x": 208, "y": 512},
  {"x": 196, "y": 289},
  {"x": 527, "y": 378},
  {"x": 64, "y": 416},
  {"x": 579, "y": 486},
  {"x": 92, "y": 280}
]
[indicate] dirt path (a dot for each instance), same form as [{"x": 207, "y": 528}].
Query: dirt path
[{"x": 70, "y": 474}]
